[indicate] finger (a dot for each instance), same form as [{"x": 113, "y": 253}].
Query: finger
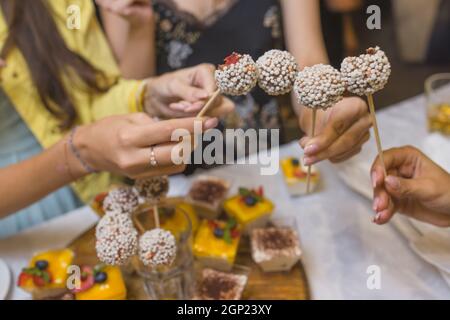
[
  {"x": 204, "y": 77},
  {"x": 356, "y": 135},
  {"x": 187, "y": 92},
  {"x": 165, "y": 131},
  {"x": 140, "y": 118},
  {"x": 346, "y": 156},
  {"x": 335, "y": 128},
  {"x": 355, "y": 148},
  {"x": 401, "y": 188},
  {"x": 160, "y": 171}
]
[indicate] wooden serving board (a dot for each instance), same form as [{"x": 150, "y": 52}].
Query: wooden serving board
[{"x": 291, "y": 285}]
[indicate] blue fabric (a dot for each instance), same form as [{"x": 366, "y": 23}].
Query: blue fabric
[{"x": 17, "y": 143}]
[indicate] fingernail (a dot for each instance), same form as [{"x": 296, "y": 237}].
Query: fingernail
[
  {"x": 302, "y": 141},
  {"x": 374, "y": 179},
  {"x": 307, "y": 161},
  {"x": 211, "y": 123},
  {"x": 376, "y": 218},
  {"x": 393, "y": 182},
  {"x": 312, "y": 148},
  {"x": 376, "y": 202}
]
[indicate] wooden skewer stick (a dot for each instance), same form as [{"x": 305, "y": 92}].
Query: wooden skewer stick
[
  {"x": 138, "y": 225},
  {"x": 308, "y": 177},
  {"x": 156, "y": 216},
  {"x": 208, "y": 104},
  {"x": 375, "y": 129}
]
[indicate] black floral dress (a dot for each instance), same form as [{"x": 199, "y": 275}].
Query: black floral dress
[{"x": 245, "y": 26}]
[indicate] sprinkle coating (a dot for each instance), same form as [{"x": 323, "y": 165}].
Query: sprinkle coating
[
  {"x": 123, "y": 200},
  {"x": 367, "y": 73},
  {"x": 153, "y": 188},
  {"x": 319, "y": 87},
  {"x": 238, "y": 76},
  {"x": 277, "y": 72},
  {"x": 157, "y": 248}
]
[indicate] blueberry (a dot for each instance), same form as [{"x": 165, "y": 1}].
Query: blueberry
[
  {"x": 295, "y": 162},
  {"x": 100, "y": 277},
  {"x": 250, "y": 201},
  {"x": 41, "y": 264},
  {"x": 218, "y": 233}
]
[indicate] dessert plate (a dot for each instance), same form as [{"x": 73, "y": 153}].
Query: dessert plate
[{"x": 5, "y": 280}]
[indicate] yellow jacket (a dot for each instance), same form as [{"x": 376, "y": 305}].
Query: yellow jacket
[{"x": 90, "y": 42}]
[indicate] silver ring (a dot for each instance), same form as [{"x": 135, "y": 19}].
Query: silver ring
[{"x": 153, "y": 161}]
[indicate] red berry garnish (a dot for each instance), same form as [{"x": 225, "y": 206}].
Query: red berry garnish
[
  {"x": 38, "y": 281},
  {"x": 212, "y": 224},
  {"x": 232, "y": 59},
  {"x": 23, "y": 278},
  {"x": 235, "y": 233},
  {"x": 261, "y": 191}
]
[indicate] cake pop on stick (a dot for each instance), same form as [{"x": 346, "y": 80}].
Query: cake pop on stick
[
  {"x": 277, "y": 72},
  {"x": 152, "y": 190},
  {"x": 237, "y": 76},
  {"x": 122, "y": 200},
  {"x": 157, "y": 248},
  {"x": 116, "y": 239},
  {"x": 318, "y": 87},
  {"x": 365, "y": 75}
]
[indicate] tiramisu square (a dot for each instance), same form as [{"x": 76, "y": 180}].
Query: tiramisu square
[
  {"x": 207, "y": 195},
  {"x": 275, "y": 249},
  {"x": 216, "y": 285}
]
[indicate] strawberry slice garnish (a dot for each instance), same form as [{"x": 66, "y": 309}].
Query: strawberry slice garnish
[{"x": 23, "y": 279}]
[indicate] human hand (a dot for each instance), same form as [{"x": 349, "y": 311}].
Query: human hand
[
  {"x": 121, "y": 144},
  {"x": 341, "y": 131},
  {"x": 136, "y": 12},
  {"x": 415, "y": 186},
  {"x": 183, "y": 93}
]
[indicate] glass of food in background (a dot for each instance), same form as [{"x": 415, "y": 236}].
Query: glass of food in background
[
  {"x": 177, "y": 281},
  {"x": 437, "y": 91}
]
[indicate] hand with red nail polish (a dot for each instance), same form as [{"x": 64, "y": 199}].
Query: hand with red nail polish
[
  {"x": 340, "y": 131},
  {"x": 415, "y": 186}
]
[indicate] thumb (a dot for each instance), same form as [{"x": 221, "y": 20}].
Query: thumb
[{"x": 401, "y": 188}]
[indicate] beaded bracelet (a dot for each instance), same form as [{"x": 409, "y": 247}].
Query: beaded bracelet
[{"x": 75, "y": 151}]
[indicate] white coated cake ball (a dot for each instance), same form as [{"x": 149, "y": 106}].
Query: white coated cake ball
[
  {"x": 367, "y": 73},
  {"x": 123, "y": 200},
  {"x": 117, "y": 239},
  {"x": 157, "y": 248},
  {"x": 277, "y": 72},
  {"x": 238, "y": 75},
  {"x": 319, "y": 87}
]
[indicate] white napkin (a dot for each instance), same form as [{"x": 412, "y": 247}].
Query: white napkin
[
  {"x": 400, "y": 125},
  {"x": 17, "y": 250}
]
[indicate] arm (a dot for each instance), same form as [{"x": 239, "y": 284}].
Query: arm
[
  {"x": 129, "y": 26},
  {"x": 28, "y": 181},
  {"x": 342, "y": 129},
  {"x": 117, "y": 144}
]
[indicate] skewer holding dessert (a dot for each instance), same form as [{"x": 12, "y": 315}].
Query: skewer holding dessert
[
  {"x": 365, "y": 75},
  {"x": 318, "y": 87}
]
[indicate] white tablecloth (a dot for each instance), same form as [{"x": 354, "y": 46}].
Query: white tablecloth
[{"x": 338, "y": 238}]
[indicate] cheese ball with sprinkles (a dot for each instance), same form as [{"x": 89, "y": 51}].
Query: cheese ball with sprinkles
[
  {"x": 277, "y": 72},
  {"x": 367, "y": 73},
  {"x": 238, "y": 75},
  {"x": 319, "y": 87},
  {"x": 152, "y": 189},
  {"x": 123, "y": 200},
  {"x": 117, "y": 240},
  {"x": 157, "y": 248}
]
